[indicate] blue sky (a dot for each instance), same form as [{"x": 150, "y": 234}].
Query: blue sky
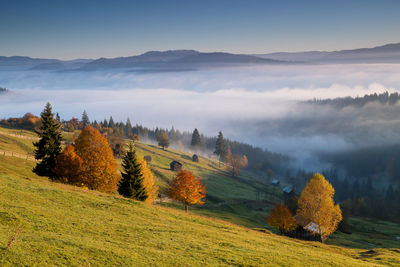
[{"x": 92, "y": 29}]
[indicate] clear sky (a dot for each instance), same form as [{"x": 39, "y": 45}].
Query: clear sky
[{"x": 97, "y": 28}]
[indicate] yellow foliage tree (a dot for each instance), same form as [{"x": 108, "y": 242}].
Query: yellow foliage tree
[
  {"x": 99, "y": 168},
  {"x": 282, "y": 218},
  {"x": 148, "y": 182},
  {"x": 68, "y": 168},
  {"x": 316, "y": 205}
]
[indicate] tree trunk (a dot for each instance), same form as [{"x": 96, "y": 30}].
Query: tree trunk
[{"x": 186, "y": 208}]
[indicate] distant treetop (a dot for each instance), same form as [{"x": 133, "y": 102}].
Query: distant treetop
[{"x": 341, "y": 102}]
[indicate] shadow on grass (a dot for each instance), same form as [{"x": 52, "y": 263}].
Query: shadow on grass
[{"x": 186, "y": 157}]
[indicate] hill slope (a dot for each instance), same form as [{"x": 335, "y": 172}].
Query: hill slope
[
  {"x": 65, "y": 225},
  {"x": 389, "y": 53}
]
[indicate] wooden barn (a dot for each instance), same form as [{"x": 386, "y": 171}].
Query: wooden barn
[
  {"x": 148, "y": 159},
  {"x": 275, "y": 182},
  {"x": 307, "y": 230},
  {"x": 288, "y": 192},
  {"x": 195, "y": 158},
  {"x": 175, "y": 166}
]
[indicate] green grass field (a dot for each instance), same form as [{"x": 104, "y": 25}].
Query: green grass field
[{"x": 66, "y": 225}]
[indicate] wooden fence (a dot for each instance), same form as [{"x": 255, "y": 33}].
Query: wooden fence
[
  {"x": 21, "y": 136},
  {"x": 17, "y": 155}
]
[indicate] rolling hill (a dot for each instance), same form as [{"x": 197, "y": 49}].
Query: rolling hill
[
  {"x": 389, "y": 53},
  {"x": 184, "y": 60},
  {"x": 66, "y": 225},
  {"x": 176, "y": 59}
]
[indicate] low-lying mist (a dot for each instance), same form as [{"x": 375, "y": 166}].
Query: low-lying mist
[{"x": 260, "y": 105}]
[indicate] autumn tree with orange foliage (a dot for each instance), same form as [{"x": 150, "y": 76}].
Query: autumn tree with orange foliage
[
  {"x": 148, "y": 182},
  {"x": 99, "y": 168},
  {"x": 316, "y": 205},
  {"x": 188, "y": 189},
  {"x": 68, "y": 168},
  {"x": 282, "y": 219}
]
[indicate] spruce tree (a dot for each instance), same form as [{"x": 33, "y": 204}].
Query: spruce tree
[
  {"x": 104, "y": 124},
  {"x": 390, "y": 194},
  {"x": 111, "y": 123},
  {"x": 85, "y": 119},
  {"x": 196, "y": 140},
  {"x": 49, "y": 146},
  {"x": 128, "y": 127},
  {"x": 131, "y": 185},
  {"x": 220, "y": 147}
]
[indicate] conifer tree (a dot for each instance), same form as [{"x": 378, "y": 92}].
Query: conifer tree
[
  {"x": 220, "y": 147},
  {"x": 132, "y": 183},
  {"x": 128, "y": 127},
  {"x": 104, "y": 124},
  {"x": 111, "y": 123},
  {"x": 196, "y": 140},
  {"x": 49, "y": 146},
  {"x": 172, "y": 134},
  {"x": 85, "y": 119},
  {"x": 390, "y": 194},
  {"x": 58, "y": 117}
]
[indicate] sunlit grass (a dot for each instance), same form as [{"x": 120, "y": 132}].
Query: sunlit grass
[{"x": 66, "y": 225}]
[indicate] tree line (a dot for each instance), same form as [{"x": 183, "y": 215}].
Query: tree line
[
  {"x": 341, "y": 102},
  {"x": 89, "y": 163},
  {"x": 259, "y": 160}
]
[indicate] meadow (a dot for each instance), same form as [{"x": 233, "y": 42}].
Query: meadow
[{"x": 66, "y": 225}]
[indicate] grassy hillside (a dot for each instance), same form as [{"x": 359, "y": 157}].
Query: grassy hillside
[
  {"x": 65, "y": 225},
  {"x": 228, "y": 197}
]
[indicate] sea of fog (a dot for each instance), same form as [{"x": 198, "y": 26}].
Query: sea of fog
[{"x": 255, "y": 104}]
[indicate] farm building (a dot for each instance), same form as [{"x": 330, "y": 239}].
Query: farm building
[
  {"x": 288, "y": 192},
  {"x": 307, "y": 230},
  {"x": 175, "y": 166},
  {"x": 148, "y": 159},
  {"x": 275, "y": 182},
  {"x": 195, "y": 158}
]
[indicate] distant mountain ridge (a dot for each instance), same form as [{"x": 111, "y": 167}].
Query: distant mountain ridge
[
  {"x": 181, "y": 60},
  {"x": 389, "y": 53},
  {"x": 21, "y": 60},
  {"x": 177, "y": 58}
]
